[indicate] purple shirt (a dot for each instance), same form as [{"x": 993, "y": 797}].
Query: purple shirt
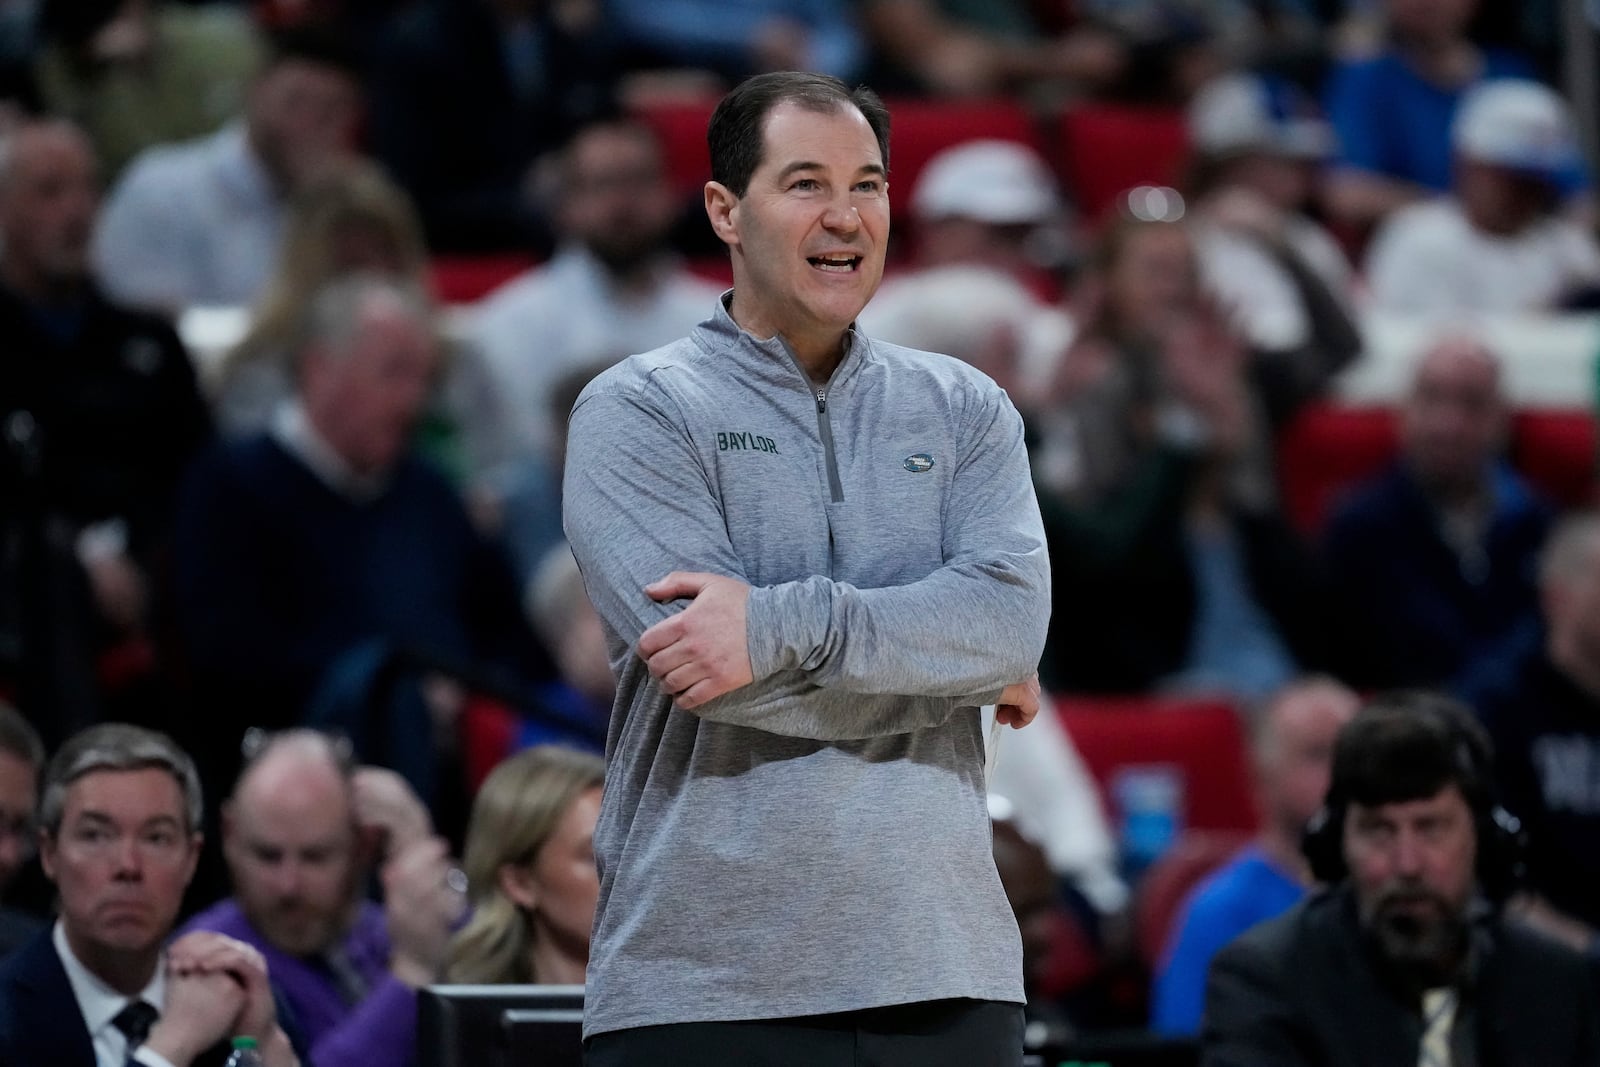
[{"x": 379, "y": 1031}]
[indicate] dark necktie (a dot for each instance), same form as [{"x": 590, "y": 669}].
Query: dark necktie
[{"x": 135, "y": 1020}]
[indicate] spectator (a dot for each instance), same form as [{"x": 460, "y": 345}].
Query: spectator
[
  {"x": 297, "y": 833},
  {"x": 734, "y": 40},
  {"x": 1544, "y": 716},
  {"x": 1293, "y": 750},
  {"x": 119, "y": 837},
  {"x": 611, "y": 289},
  {"x": 102, "y": 414},
  {"x": 352, "y": 220},
  {"x": 1174, "y": 569},
  {"x": 325, "y": 569},
  {"x": 201, "y": 222},
  {"x": 1393, "y": 110},
  {"x": 1435, "y": 558},
  {"x": 21, "y": 760},
  {"x": 570, "y": 628},
  {"x": 1499, "y": 242},
  {"x": 530, "y": 863},
  {"x": 467, "y": 94},
  {"x": 951, "y": 49},
  {"x": 1043, "y": 920},
  {"x": 1404, "y": 957},
  {"x": 138, "y": 73},
  {"x": 1258, "y": 147}
]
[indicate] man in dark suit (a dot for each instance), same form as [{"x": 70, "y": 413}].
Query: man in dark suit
[
  {"x": 1405, "y": 958},
  {"x": 118, "y": 838}
]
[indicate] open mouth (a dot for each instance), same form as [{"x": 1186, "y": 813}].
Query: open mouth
[{"x": 835, "y": 264}]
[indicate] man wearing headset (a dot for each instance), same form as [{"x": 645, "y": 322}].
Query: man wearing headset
[{"x": 1404, "y": 957}]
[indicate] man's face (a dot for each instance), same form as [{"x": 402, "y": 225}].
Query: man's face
[
  {"x": 810, "y": 233},
  {"x": 1412, "y": 864},
  {"x": 365, "y": 401},
  {"x": 19, "y": 784},
  {"x": 1429, "y": 20},
  {"x": 292, "y": 857},
  {"x": 1299, "y": 755},
  {"x": 1572, "y": 606},
  {"x": 48, "y": 205},
  {"x": 302, "y": 119},
  {"x": 1454, "y": 420},
  {"x": 121, "y": 859},
  {"x": 1502, "y": 200},
  {"x": 1152, "y": 283},
  {"x": 615, "y": 199}
]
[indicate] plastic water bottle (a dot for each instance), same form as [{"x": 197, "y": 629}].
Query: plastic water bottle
[
  {"x": 245, "y": 1053},
  {"x": 1150, "y": 802}
]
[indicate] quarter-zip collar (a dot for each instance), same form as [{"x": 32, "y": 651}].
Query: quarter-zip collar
[{"x": 771, "y": 359}]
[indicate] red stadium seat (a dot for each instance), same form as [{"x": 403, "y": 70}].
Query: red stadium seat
[
  {"x": 1103, "y": 150},
  {"x": 1555, "y": 450},
  {"x": 921, "y": 129},
  {"x": 1324, "y": 451},
  {"x": 680, "y": 123},
  {"x": 465, "y": 279},
  {"x": 1203, "y": 739}
]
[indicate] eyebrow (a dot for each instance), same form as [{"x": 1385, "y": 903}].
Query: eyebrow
[
  {"x": 104, "y": 817},
  {"x": 876, "y": 169}
]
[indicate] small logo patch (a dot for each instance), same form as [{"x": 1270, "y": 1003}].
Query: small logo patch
[
  {"x": 919, "y": 463},
  {"x": 734, "y": 441}
]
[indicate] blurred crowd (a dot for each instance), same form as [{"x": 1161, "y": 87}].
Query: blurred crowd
[{"x": 318, "y": 565}]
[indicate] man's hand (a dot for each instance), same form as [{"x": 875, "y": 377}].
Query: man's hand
[
  {"x": 204, "y": 953},
  {"x": 1018, "y": 703},
  {"x": 389, "y": 811},
  {"x": 421, "y": 908},
  {"x": 701, "y": 652},
  {"x": 202, "y": 1009}
]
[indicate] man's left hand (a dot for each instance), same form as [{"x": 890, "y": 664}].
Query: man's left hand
[{"x": 701, "y": 652}]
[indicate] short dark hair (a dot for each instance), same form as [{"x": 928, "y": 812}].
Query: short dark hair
[
  {"x": 1408, "y": 745},
  {"x": 734, "y": 134},
  {"x": 18, "y": 737}
]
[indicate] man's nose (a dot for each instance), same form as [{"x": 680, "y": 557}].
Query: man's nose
[{"x": 842, "y": 215}]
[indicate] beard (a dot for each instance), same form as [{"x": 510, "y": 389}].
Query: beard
[{"x": 1419, "y": 936}]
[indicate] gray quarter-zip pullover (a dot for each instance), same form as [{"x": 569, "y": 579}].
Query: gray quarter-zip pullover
[{"x": 817, "y": 841}]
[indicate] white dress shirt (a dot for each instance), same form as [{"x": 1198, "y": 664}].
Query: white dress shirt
[{"x": 99, "y": 1004}]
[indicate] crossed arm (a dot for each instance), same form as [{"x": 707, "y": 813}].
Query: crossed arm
[{"x": 648, "y": 531}]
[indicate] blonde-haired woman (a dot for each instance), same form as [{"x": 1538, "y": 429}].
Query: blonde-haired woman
[
  {"x": 530, "y": 866},
  {"x": 353, "y": 219}
]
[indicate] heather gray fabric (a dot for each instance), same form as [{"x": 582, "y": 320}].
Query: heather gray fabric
[{"x": 817, "y": 841}]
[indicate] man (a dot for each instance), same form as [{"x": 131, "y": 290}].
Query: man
[
  {"x": 1435, "y": 558},
  {"x": 1258, "y": 151},
  {"x": 1404, "y": 958},
  {"x": 1498, "y": 242},
  {"x": 21, "y": 759},
  {"x": 1544, "y": 716},
  {"x": 200, "y": 222},
  {"x": 613, "y": 287},
  {"x": 296, "y": 832},
  {"x": 323, "y": 566},
  {"x": 100, "y": 413},
  {"x": 815, "y": 556},
  {"x": 1293, "y": 750},
  {"x": 119, "y": 838},
  {"x": 1392, "y": 110}
]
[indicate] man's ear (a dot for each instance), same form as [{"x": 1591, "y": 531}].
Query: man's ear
[{"x": 722, "y": 208}]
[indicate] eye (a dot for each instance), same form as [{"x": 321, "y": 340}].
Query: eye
[
  {"x": 806, "y": 185},
  {"x": 870, "y": 185}
]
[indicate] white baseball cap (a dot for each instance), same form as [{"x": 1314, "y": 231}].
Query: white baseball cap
[
  {"x": 1000, "y": 182},
  {"x": 1242, "y": 112},
  {"x": 1516, "y": 123}
]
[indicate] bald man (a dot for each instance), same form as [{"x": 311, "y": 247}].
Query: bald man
[
  {"x": 298, "y": 833},
  {"x": 1436, "y": 556},
  {"x": 1293, "y": 754}
]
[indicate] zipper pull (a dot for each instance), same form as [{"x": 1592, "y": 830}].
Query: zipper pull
[{"x": 822, "y": 401}]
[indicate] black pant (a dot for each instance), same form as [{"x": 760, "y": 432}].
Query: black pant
[{"x": 937, "y": 1033}]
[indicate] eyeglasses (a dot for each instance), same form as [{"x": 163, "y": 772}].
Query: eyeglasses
[{"x": 1152, "y": 203}]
